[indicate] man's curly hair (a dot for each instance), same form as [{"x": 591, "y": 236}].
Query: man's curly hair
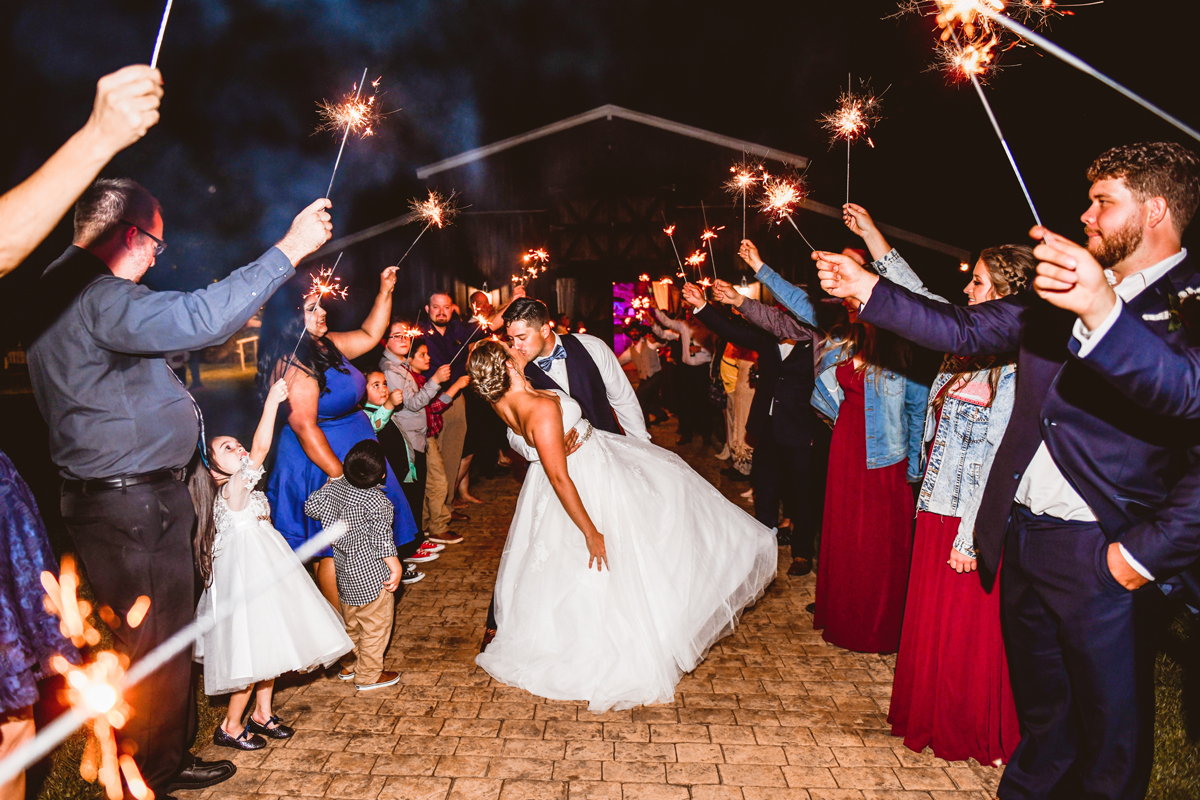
[{"x": 1155, "y": 169}]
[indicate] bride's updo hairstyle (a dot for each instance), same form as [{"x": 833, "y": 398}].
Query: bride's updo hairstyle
[{"x": 488, "y": 367}]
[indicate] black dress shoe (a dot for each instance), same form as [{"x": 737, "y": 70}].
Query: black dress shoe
[
  {"x": 800, "y": 566},
  {"x": 246, "y": 741},
  {"x": 201, "y": 775},
  {"x": 279, "y": 731},
  {"x": 811, "y": 608}
]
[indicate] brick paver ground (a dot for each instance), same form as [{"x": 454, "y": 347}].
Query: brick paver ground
[{"x": 774, "y": 712}]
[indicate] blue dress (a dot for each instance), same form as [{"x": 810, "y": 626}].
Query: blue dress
[
  {"x": 28, "y": 635},
  {"x": 295, "y": 476}
]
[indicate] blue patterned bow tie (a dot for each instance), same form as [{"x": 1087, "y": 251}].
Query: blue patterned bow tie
[{"x": 544, "y": 364}]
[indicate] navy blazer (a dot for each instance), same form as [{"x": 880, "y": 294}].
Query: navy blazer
[
  {"x": 786, "y": 383},
  {"x": 1133, "y": 467}
]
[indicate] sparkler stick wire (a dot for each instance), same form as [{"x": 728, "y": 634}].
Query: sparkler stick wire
[
  {"x": 671, "y": 236},
  {"x": 53, "y": 734},
  {"x": 346, "y": 135},
  {"x": 480, "y": 323},
  {"x": 1000, "y": 135},
  {"x": 802, "y": 236},
  {"x": 411, "y": 246},
  {"x": 162, "y": 29},
  {"x": 849, "y": 88},
  {"x": 292, "y": 358},
  {"x": 1086, "y": 68},
  {"x": 711, "y": 256}
]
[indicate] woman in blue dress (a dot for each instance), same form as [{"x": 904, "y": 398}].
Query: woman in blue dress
[{"x": 325, "y": 418}]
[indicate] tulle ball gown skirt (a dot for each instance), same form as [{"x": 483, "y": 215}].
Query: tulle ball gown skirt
[{"x": 684, "y": 562}]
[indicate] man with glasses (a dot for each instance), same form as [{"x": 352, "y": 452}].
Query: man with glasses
[{"x": 123, "y": 429}]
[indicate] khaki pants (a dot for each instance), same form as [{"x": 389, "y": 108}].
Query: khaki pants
[
  {"x": 369, "y": 627},
  {"x": 436, "y": 513},
  {"x": 451, "y": 440}
]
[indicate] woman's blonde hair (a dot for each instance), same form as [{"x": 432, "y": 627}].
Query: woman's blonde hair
[{"x": 488, "y": 367}]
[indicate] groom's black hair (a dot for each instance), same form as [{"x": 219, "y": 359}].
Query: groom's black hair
[{"x": 532, "y": 312}]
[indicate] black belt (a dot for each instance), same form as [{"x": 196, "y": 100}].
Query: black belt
[{"x": 123, "y": 482}]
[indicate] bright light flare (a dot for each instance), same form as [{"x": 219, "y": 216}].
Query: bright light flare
[
  {"x": 857, "y": 112},
  {"x": 358, "y": 113},
  {"x": 138, "y": 612},
  {"x": 781, "y": 195},
  {"x": 535, "y": 262},
  {"x": 743, "y": 176},
  {"x": 696, "y": 259},
  {"x": 436, "y": 210},
  {"x": 710, "y": 233},
  {"x": 974, "y": 59},
  {"x": 667, "y": 282},
  {"x": 325, "y": 284}
]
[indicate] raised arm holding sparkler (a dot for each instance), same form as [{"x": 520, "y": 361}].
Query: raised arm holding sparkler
[{"x": 126, "y": 107}]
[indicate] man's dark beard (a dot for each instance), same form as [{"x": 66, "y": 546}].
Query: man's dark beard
[{"x": 1114, "y": 248}]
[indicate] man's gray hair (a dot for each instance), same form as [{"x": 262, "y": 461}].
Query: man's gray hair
[{"x": 106, "y": 202}]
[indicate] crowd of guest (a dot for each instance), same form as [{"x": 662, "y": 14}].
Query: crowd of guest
[{"x": 1010, "y": 523}]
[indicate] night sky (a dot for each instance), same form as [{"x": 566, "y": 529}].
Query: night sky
[{"x": 234, "y": 158}]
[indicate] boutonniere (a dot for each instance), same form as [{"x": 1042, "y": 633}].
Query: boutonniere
[{"x": 1185, "y": 309}]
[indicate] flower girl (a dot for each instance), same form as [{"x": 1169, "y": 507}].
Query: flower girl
[{"x": 288, "y": 626}]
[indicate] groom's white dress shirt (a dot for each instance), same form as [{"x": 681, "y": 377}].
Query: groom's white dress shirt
[{"x": 616, "y": 386}]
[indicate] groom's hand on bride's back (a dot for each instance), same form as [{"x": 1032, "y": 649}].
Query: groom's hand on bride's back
[{"x": 572, "y": 441}]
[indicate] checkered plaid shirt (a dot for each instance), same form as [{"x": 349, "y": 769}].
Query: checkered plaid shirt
[{"x": 358, "y": 555}]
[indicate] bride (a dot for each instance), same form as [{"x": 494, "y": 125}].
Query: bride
[{"x": 622, "y": 565}]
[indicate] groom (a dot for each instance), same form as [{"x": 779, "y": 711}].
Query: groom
[{"x": 580, "y": 365}]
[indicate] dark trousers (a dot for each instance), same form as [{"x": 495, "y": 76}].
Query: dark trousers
[
  {"x": 784, "y": 472},
  {"x": 1081, "y": 655},
  {"x": 134, "y": 542},
  {"x": 648, "y": 394},
  {"x": 696, "y": 414}
]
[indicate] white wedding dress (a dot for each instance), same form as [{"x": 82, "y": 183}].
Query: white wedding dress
[
  {"x": 684, "y": 562},
  {"x": 289, "y": 626}
]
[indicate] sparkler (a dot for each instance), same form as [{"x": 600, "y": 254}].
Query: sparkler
[
  {"x": 484, "y": 324},
  {"x": 535, "y": 264},
  {"x": 780, "y": 197},
  {"x": 162, "y": 30},
  {"x": 670, "y": 232},
  {"x": 744, "y": 175},
  {"x": 323, "y": 284},
  {"x": 101, "y": 688},
  {"x": 971, "y": 16},
  {"x": 695, "y": 260},
  {"x": 856, "y": 114},
  {"x": 351, "y": 115},
  {"x": 435, "y": 210},
  {"x": 707, "y": 237}
]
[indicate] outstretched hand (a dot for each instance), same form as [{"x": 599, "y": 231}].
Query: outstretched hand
[
  {"x": 725, "y": 293},
  {"x": 749, "y": 253},
  {"x": 126, "y": 106},
  {"x": 387, "y": 280},
  {"x": 842, "y": 276},
  {"x": 693, "y": 295},
  {"x": 1070, "y": 278},
  {"x": 311, "y": 228}
]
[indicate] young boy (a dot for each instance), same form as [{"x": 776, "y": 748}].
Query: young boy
[
  {"x": 380, "y": 405},
  {"x": 368, "y": 569}
]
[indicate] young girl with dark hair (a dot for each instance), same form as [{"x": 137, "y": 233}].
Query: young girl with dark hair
[{"x": 287, "y": 627}]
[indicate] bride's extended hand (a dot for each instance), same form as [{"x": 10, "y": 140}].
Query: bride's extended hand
[{"x": 596, "y": 552}]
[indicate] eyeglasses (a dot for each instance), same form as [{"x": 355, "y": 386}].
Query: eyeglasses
[
  {"x": 159, "y": 244},
  {"x": 400, "y": 336}
]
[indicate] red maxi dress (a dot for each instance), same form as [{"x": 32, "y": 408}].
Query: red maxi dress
[
  {"x": 866, "y": 536},
  {"x": 951, "y": 691}
]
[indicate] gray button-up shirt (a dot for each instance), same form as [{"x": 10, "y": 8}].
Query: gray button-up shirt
[{"x": 97, "y": 364}]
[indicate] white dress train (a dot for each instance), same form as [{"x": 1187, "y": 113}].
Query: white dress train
[
  {"x": 288, "y": 627},
  {"x": 684, "y": 563}
]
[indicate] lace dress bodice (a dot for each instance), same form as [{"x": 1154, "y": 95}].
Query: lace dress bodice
[{"x": 257, "y": 508}]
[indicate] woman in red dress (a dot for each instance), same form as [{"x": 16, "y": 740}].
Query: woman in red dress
[{"x": 866, "y": 532}]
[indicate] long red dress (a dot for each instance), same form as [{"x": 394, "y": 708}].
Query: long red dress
[
  {"x": 951, "y": 691},
  {"x": 866, "y": 536}
]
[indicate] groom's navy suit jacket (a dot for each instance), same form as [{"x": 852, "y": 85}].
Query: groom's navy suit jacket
[{"x": 1138, "y": 471}]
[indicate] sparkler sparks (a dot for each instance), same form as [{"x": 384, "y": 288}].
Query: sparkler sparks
[
  {"x": 484, "y": 324},
  {"x": 324, "y": 284},
  {"x": 535, "y": 262},
  {"x": 743, "y": 175},
  {"x": 780, "y": 197},
  {"x": 856, "y": 114},
  {"x": 356, "y": 114},
  {"x": 434, "y": 210}
]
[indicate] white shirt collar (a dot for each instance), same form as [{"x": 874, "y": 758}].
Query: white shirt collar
[{"x": 1136, "y": 283}]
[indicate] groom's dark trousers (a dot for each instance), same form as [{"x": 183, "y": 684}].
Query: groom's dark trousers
[{"x": 1079, "y": 646}]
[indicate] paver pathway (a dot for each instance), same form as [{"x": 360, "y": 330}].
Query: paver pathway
[{"x": 774, "y": 712}]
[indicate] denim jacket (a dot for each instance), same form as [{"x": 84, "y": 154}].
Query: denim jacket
[
  {"x": 894, "y": 402},
  {"x": 967, "y": 437}
]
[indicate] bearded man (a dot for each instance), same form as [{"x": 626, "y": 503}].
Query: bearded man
[{"x": 1092, "y": 497}]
